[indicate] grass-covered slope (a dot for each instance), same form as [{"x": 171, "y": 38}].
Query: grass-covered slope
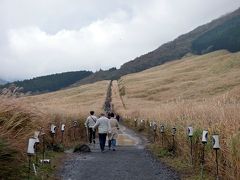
[
  {"x": 73, "y": 101},
  {"x": 221, "y": 33},
  {"x": 198, "y": 91},
  {"x": 20, "y": 117},
  {"x": 192, "y": 78}
]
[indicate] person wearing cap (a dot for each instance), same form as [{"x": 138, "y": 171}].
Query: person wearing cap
[
  {"x": 90, "y": 122},
  {"x": 103, "y": 126}
]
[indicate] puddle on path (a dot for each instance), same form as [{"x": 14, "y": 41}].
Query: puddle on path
[{"x": 126, "y": 140}]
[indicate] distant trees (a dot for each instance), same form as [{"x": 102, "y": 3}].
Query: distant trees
[
  {"x": 51, "y": 82},
  {"x": 225, "y": 36}
]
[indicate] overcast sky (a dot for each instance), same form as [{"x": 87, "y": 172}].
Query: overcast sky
[{"x": 39, "y": 37}]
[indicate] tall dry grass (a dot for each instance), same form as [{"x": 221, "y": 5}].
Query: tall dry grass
[
  {"x": 17, "y": 124},
  {"x": 17, "y": 121},
  {"x": 218, "y": 115},
  {"x": 76, "y": 101},
  {"x": 201, "y": 91},
  {"x": 21, "y": 117}
]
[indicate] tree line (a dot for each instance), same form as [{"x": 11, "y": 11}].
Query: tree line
[{"x": 50, "y": 82}]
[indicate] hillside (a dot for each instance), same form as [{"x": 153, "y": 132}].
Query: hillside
[
  {"x": 192, "y": 78},
  {"x": 20, "y": 117},
  {"x": 202, "y": 91},
  {"x": 222, "y": 33},
  {"x": 72, "y": 101},
  {"x": 50, "y": 82}
]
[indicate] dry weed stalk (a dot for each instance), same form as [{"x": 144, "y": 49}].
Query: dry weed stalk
[{"x": 219, "y": 114}]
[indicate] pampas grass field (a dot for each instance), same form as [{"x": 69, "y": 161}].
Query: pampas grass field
[
  {"x": 77, "y": 101},
  {"x": 199, "y": 91},
  {"x": 20, "y": 117}
]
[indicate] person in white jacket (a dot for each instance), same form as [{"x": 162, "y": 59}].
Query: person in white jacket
[
  {"x": 103, "y": 128},
  {"x": 90, "y": 122}
]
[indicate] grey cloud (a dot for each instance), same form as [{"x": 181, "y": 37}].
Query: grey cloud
[{"x": 43, "y": 37}]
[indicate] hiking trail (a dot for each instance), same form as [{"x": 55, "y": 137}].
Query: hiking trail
[{"x": 131, "y": 161}]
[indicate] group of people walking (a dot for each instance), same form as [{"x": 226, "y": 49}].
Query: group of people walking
[{"x": 107, "y": 127}]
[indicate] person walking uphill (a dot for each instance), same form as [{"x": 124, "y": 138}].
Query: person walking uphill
[
  {"x": 103, "y": 127},
  {"x": 113, "y": 131},
  {"x": 90, "y": 122}
]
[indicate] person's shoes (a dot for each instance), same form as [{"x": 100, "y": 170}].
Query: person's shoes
[
  {"x": 94, "y": 141},
  {"x": 114, "y": 149}
]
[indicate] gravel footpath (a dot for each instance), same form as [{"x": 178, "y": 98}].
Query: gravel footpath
[{"x": 131, "y": 162}]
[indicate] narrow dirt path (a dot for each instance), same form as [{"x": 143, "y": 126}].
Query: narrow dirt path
[{"x": 131, "y": 161}]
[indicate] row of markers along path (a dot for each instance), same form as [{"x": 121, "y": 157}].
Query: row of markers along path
[{"x": 130, "y": 161}]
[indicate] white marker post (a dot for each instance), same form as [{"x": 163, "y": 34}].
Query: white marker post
[
  {"x": 30, "y": 152},
  {"x": 36, "y": 135},
  {"x": 150, "y": 124},
  {"x": 174, "y": 130},
  {"x": 204, "y": 141},
  {"x": 62, "y": 130},
  {"x": 30, "y": 149},
  {"x": 155, "y": 130},
  {"x": 53, "y": 132},
  {"x": 190, "y": 135},
  {"x": 143, "y": 124},
  {"x": 216, "y": 147},
  {"x": 135, "y": 122},
  {"x": 74, "y": 130},
  {"x": 162, "y": 132}
]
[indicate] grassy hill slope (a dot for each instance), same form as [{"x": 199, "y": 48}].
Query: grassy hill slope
[
  {"x": 20, "y": 117},
  {"x": 77, "y": 100},
  {"x": 191, "y": 78},
  {"x": 221, "y": 33},
  {"x": 199, "y": 91}
]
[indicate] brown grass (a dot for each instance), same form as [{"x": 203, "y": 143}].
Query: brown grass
[
  {"x": 20, "y": 117},
  {"x": 77, "y": 101},
  {"x": 202, "y": 91},
  {"x": 191, "y": 78}
]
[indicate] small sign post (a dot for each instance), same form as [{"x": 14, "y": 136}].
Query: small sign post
[
  {"x": 150, "y": 124},
  {"x": 190, "y": 135},
  {"x": 53, "y": 132},
  {"x": 204, "y": 142},
  {"x": 36, "y": 134},
  {"x": 135, "y": 122},
  {"x": 155, "y": 131},
  {"x": 216, "y": 147},
  {"x": 30, "y": 153},
  {"x": 174, "y": 130},
  {"x": 62, "y": 130},
  {"x": 74, "y": 130},
  {"x": 162, "y": 132}
]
